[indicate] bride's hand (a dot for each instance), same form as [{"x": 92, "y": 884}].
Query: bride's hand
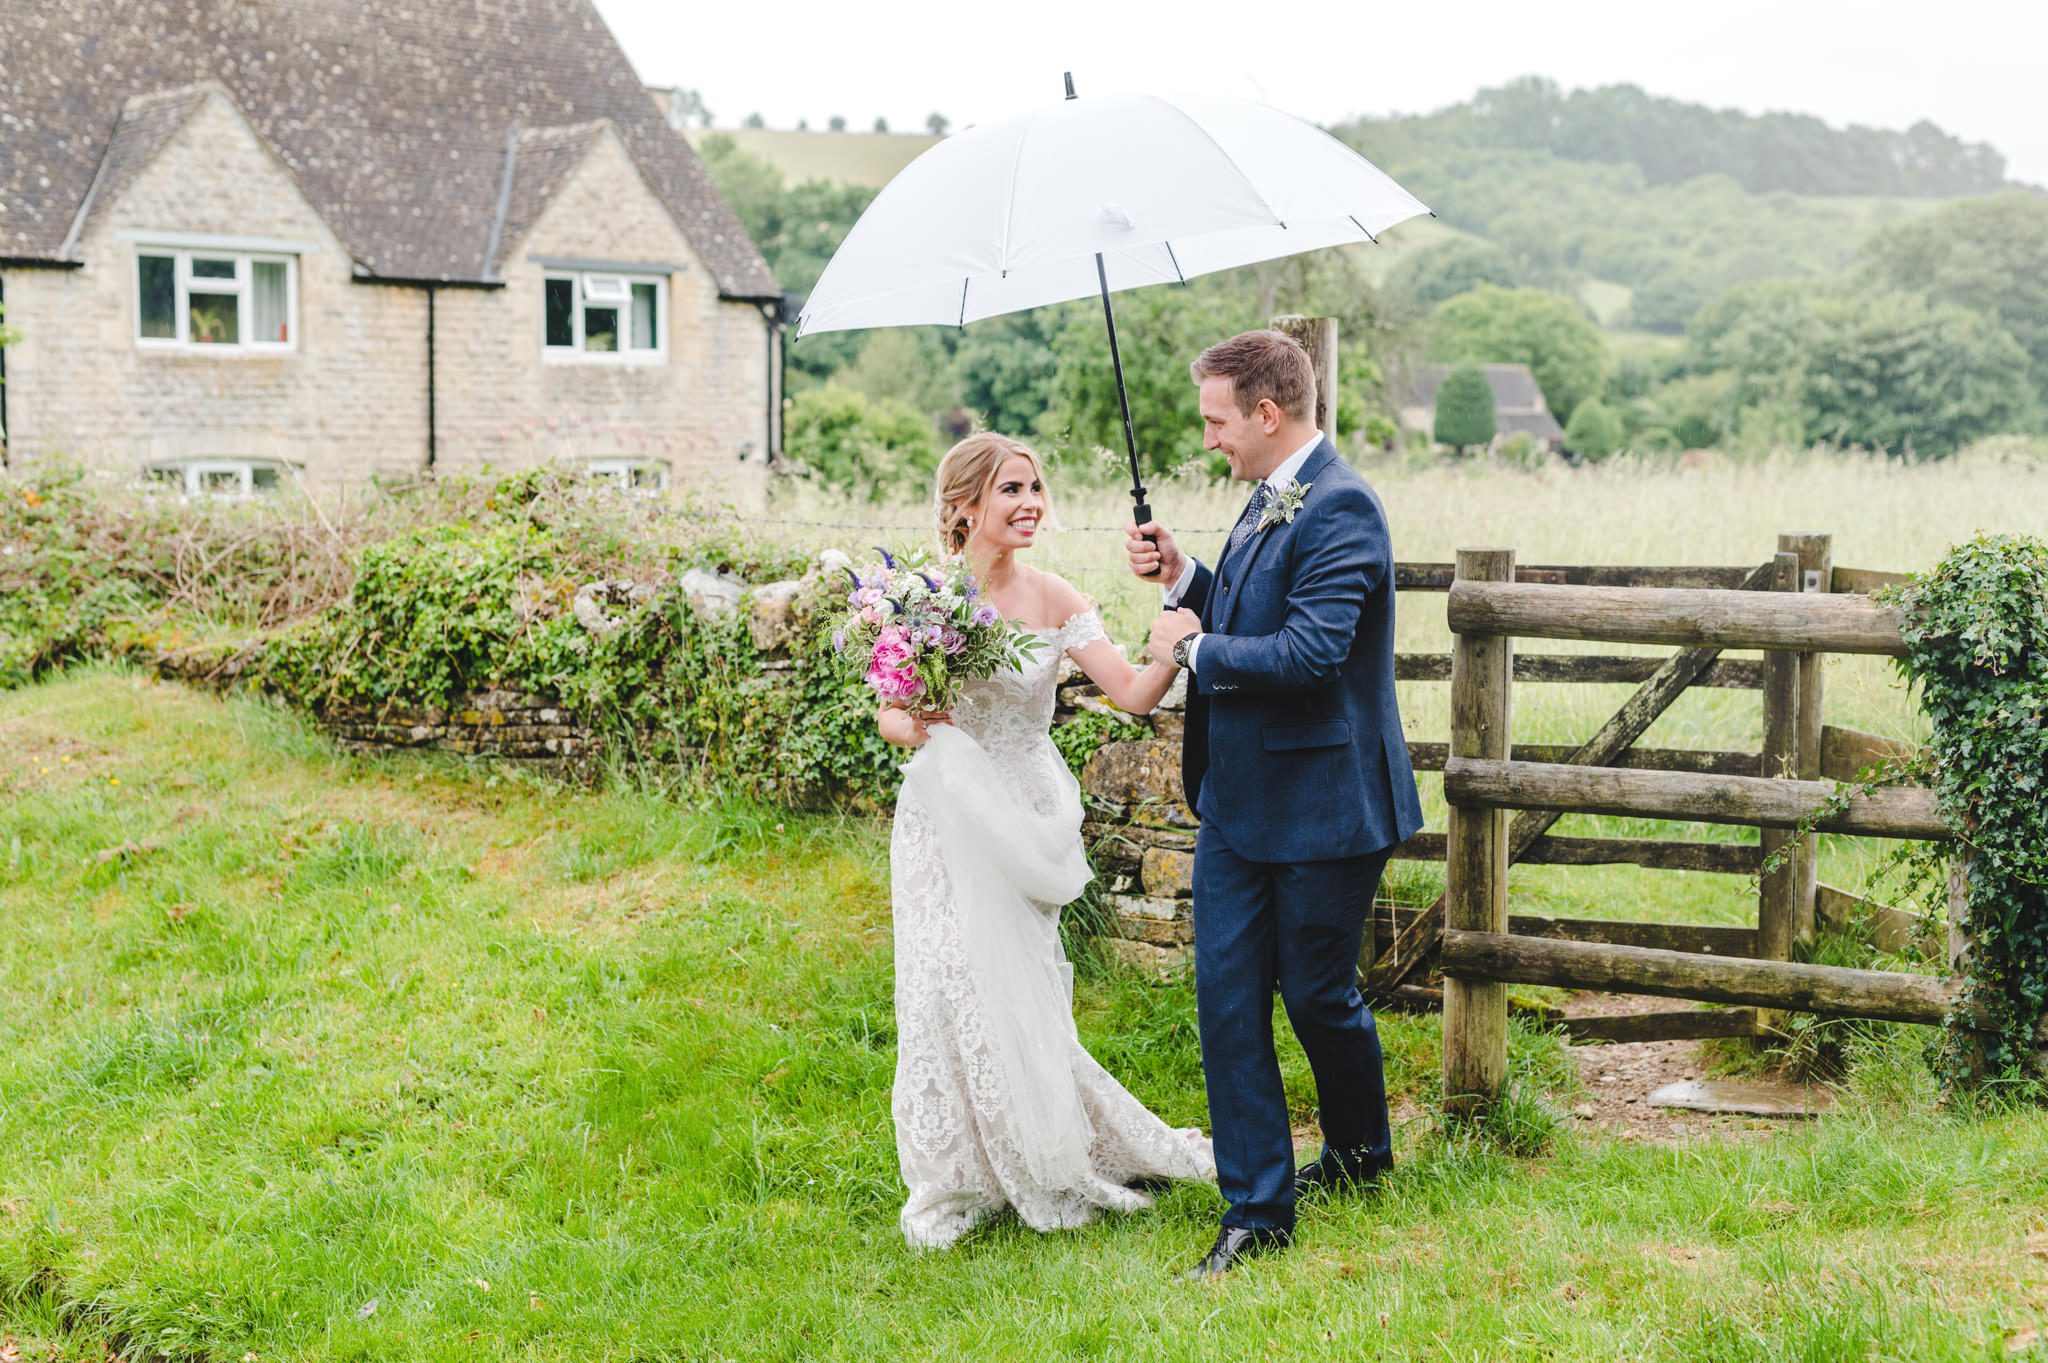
[{"x": 908, "y": 728}]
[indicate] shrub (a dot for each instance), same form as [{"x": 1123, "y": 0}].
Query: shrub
[
  {"x": 844, "y": 439},
  {"x": 1594, "y": 432},
  {"x": 1523, "y": 451},
  {"x": 1464, "y": 409}
]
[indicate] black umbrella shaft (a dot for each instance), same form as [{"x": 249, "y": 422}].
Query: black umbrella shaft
[
  {"x": 1123, "y": 399},
  {"x": 1140, "y": 511}
]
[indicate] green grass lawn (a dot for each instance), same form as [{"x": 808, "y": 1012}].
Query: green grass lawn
[{"x": 304, "y": 1057}]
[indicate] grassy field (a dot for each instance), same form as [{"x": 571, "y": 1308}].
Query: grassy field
[
  {"x": 849, "y": 158},
  {"x": 309, "y": 1058}
]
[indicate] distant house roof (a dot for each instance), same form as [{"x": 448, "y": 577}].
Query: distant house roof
[
  {"x": 1518, "y": 403},
  {"x": 400, "y": 123}
]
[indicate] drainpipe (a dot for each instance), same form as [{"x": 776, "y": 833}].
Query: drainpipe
[
  {"x": 6, "y": 455},
  {"x": 778, "y": 380},
  {"x": 431, "y": 451}
]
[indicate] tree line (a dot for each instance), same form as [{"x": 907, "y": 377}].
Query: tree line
[{"x": 1913, "y": 333}]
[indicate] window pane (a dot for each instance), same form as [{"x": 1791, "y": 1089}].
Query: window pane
[
  {"x": 262, "y": 476},
  {"x": 156, "y": 279},
  {"x": 215, "y": 318},
  {"x": 270, "y": 313},
  {"x": 643, "y": 317},
  {"x": 220, "y": 480},
  {"x": 561, "y": 324},
  {"x": 213, "y": 269},
  {"x": 600, "y": 328}
]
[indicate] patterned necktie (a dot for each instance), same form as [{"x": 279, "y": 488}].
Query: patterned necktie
[{"x": 1248, "y": 522}]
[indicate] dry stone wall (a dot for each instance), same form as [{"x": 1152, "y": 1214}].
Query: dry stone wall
[{"x": 1139, "y": 832}]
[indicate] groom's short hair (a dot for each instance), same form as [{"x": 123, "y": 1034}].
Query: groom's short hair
[{"x": 1263, "y": 364}]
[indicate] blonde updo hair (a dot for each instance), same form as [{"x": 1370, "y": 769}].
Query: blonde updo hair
[{"x": 965, "y": 476}]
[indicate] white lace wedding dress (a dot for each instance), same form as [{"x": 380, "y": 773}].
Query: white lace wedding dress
[{"x": 996, "y": 1101}]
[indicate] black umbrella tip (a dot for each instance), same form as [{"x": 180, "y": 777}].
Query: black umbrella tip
[{"x": 1070, "y": 85}]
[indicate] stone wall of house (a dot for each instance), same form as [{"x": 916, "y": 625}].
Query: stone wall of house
[
  {"x": 351, "y": 401},
  {"x": 706, "y": 410}
]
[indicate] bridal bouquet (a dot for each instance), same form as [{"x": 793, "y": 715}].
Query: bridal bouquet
[{"x": 917, "y": 631}]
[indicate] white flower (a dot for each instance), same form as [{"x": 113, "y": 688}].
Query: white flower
[{"x": 1286, "y": 501}]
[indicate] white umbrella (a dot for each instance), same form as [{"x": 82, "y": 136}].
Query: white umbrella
[{"x": 1093, "y": 196}]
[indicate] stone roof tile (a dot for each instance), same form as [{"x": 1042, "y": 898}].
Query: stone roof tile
[{"x": 394, "y": 120}]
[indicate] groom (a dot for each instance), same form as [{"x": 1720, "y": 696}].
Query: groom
[{"x": 1295, "y": 762}]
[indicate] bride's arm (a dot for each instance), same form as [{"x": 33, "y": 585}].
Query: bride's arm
[{"x": 1135, "y": 691}]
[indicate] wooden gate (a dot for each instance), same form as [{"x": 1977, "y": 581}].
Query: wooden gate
[
  {"x": 1485, "y": 776},
  {"x": 1407, "y": 944}
]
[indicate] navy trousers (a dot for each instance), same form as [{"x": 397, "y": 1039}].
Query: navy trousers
[{"x": 1295, "y": 927}]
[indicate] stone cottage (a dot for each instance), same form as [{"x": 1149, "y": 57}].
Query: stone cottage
[
  {"x": 247, "y": 239},
  {"x": 1518, "y": 403}
]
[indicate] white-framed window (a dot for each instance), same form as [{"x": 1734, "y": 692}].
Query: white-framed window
[
  {"x": 597, "y": 317},
  {"x": 630, "y": 473},
  {"x": 227, "y": 301},
  {"x": 205, "y": 476}
]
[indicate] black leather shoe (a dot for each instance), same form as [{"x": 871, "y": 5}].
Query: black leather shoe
[
  {"x": 1232, "y": 1244},
  {"x": 1331, "y": 1173}
]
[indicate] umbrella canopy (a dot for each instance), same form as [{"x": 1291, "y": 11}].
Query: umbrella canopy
[{"x": 1014, "y": 214}]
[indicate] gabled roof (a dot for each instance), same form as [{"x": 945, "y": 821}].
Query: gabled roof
[
  {"x": 541, "y": 160},
  {"x": 396, "y": 120},
  {"x": 1514, "y": 387},
  {"x": 146, "y": 123}
]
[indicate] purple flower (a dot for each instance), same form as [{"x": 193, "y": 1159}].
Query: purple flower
[
  {"x": 839, "y": 641},
  {"x": 952, "y": 640},
  {"x": 984, "y": 615}
]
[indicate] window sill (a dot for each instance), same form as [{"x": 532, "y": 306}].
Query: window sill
[
  {"x": 236, "y": 352},
  {"x": 605, "y": 358}
]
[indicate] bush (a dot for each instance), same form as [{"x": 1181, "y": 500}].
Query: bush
[
  {"x": 846, "y": 440},
  {"x": 1523, "y": 451},
  {"x": 1594, "y": 432},
  {"x": 1464, "y": 410}
]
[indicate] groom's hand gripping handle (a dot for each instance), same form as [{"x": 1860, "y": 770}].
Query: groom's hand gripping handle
[
  {"x": 1141, "y": 514},
  {"x": 1152, "y": 553}
]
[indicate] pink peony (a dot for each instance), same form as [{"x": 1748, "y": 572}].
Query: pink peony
[{"x": 891, "y": 666}]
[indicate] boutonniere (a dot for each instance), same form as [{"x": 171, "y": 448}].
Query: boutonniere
[{"x": 1287, "y": 501}]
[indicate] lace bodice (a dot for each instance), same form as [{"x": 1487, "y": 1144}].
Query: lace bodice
[{"x": 1011, "y": 713}]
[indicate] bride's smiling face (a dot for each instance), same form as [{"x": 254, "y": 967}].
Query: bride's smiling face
[{"x": 1014, "y": 505}]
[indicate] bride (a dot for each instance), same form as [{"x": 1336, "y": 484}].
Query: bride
[{"x": 996, "y": 1101}]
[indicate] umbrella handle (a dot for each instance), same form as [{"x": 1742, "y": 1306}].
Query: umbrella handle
[{"x": 1140, "y": 513}]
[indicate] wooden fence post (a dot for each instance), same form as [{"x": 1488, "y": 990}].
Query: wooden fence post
[
  {"x": 1476, "y": 857},
  {"x": 1318, "y": 336},
  {"x": 1777, "y": 913},
  {"x": 1816, "y": 568}
]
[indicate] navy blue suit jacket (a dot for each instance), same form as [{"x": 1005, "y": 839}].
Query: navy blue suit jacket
[{"x": 1294, "y": 750}]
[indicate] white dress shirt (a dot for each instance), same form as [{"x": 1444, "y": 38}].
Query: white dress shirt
[{"x": 1282, "y": 477}]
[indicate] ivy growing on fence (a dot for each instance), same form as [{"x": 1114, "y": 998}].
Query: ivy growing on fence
[{"x": 1977, "y": 644}]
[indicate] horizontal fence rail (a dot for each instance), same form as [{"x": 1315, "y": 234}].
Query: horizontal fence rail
[
  {"x": 1431, "y": 757},
  {"x": 1829, "y": 990},
  {"x": 1724, "y": 858},
  {"x": 1729, "y": 673},
  {"x": 1793, "y": 621},
  {"x": 1888, "y": 812}
]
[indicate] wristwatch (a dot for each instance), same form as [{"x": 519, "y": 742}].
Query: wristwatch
[{"x": 1180, "y": 650}]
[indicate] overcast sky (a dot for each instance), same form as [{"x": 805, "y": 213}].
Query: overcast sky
[{"x": 1971, "y": 66}]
